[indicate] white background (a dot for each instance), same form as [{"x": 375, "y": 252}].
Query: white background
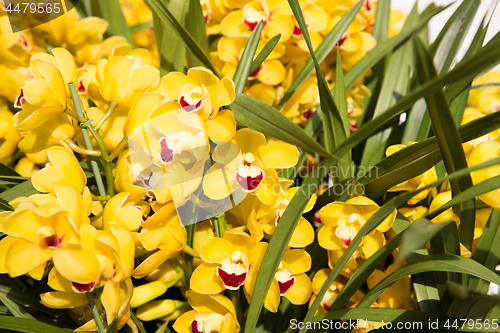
[{"x": 437, "y": 23}]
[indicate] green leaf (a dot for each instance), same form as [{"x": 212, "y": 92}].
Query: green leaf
[
  {"x": 4, "y": 205},
  {"x": 395, "y": 83},
  {"x": 141, "y": 26},
  {"x": 22, "y": 190},
  {"x": 443, "y": 262},
  {"x": 159, "y": 8},
  {"x": 262, "y": 117},
  {"x": 13, "y": 324},
  {"x": 447, "y": 241},
  {"x": 328, "y": 43},
  {"x": 195, "y": 25},
  {"x": 6, "y": 171},
  {"x": 488, "y": 249},
  {"x": 468, "y": 303},
  {"x": 265, "y": 52},
  {"x": 278, "y": 244},
  {"x": 15, "y": 309},
  {"x": 243, "y": 70},
  {"x": 118, "y": 26},
  {"x": 419, "y": 233},
  {"x": 12, "y": 180}
]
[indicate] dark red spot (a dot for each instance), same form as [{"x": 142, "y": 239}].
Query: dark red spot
[
  {"x": 296, "y": 31},
  {"x": 20, "y": 100},
  {"x": 144, "y": 218},
  {"x": 248, "y": 183},
  {"x": 316, "y": 218},
  {"x": 81, "y": 87},
  {"x": 284, "y": 286},
  {"x": 252, "y": 25},
  {"x": 326, "y": 306},
  {"x": 307, "y": 114},
  {"x": 278, "y": 219},
  {"x": 367, "y": 5},
  {"x": 186, "y": 107},
  {"x": 53, "y": 241},
  {"x": 353, "y": 127},
  {"x": 346, "y": 242},
  {"x": 255, "y": 72},
  {"x": 342, "y": 40},
  {"x": 84, "y": 288},
  {"x": 207, "y": 18},
  {"x": 24, "y": 42},
  {"x": 194, "y": 327},
  {"x": 231, "y": 280},
  {"x": 166, "y": 154},
  {"x": 349, "y": 112}
]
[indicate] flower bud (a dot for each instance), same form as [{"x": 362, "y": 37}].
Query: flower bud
[
  {"x": 157, "y": 309},
  {"x": 147, "y": 292}
]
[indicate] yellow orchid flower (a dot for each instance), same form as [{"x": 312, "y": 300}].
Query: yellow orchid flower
[
  {"x": 486, "y": 100},
  {"x": 481, "y": 153},
  {"x": 244, "y": 165},
  {"x": 290, "y": 280},
  {"x": 129, "y": 214},
  {"x": 9, "y": 137},
  {"x": 415, "y": 183},
  {"x": 157, "y": 309},
  {"x": 448, "y": 214},
  {"x": 471, "y": 114},
  {"x": 264, "y": 92},
  {"x": 342, "y": 221},
  {"x": 91, "y": 53},
  {"x": 276, "y": 15},
  {"x": 122, "y": 81},
  {"x": 212, "y": 313},
  {"x": 303, "y": 103},
  {"x": 43, "y": 230},
  {"x": 396, "y": 296},
  {"x": 12, "y": 79},
  {"x": 63, "y": 168},
  {"x": 15, "y": 47},
  {"x": 271, "y": 71},
  {"x": 226, "y": 263},
  {"x": 414, "y": 213},
  {"x": 162, "y": 231},
  {"x": 333, "y": 291},
  {"x": 203, "y": 93}
]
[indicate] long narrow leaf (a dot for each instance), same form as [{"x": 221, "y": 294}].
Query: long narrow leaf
[
  {"x": 264, "y": 53},
  {"x": 243, "y": 70},
  {"x": 118, "y": 26},
  {"x": 195, "y": 25},
  {"x": 12, "y": 324}
]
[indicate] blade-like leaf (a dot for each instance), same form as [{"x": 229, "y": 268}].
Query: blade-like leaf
[
  {"x": 4, "y": 205},
  {"x": 266, "y": 51},
  {"x": 173, "y": 50},
  {"x": 12, "y": 324},
  {"x": 22, "y": 190},
  {"x": 243, "y": 70},
  {"x": 328, "y": 43},
  {"x": 12, "y": 180},
  {"x": 118, "y": 26},
  {"x": 6, "y": 171},
  {"x": 195, "y": 25},
  {"x": 262, "y": 117},
  {"x": 169, "y": 20},
  {"x": 15, "y": 309}
]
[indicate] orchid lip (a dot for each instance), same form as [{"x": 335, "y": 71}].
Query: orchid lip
[
  {"x": 249, "y": 183},
  {"x": 83, "y": 287},
  {"x": 20, "y": 100},
  {"x": 194, "y": 327},
  {"x": 231, "y": 280},
  {"x": 81, "y": 87},
  {"x": 186, "y": 107},
  {"x": 284, "y": 286},
  {"x": 166, "y": 154},
  {"x": 53, "y": 242}
]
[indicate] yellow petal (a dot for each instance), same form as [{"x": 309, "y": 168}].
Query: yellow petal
[
  {"x": 372, "y": 243},
  {"x": 328, "y": 240},
  {"x": 330, "y": 213},
  {"x": 140, "y": 112},
  {"x": 77, "y": 263},
  {"x": 183, "y": 323},
  {"x": 214, "y": 250},
  {"x": 29, "y": 254},
  {"x": 54, "y": 78},
  {"x": 152, "y": 262},
  {"x": 66, "y": 64},
  {"x": 63, "y": 300},
  {"x": 241, "y": 241},
  {"x": 303, "y": 234},
  {"x": 272, "y": 300},
  {"x": 222, "y": 94},
  {"x": 219, "y": 182},
  {"x": 143, "y": 78},
  {"x": 299, "y": 261},
  {"x": 249, "y": 140},
  {"x": 129, "y": 217},
  {"x": 113, "y": 206},
  {"x": 222, "y": 127},
  {"x": 202, "y": 76},
  {"x": 300, "y": 292},
  {"x": 4, "y": 247},
  {"x": 205, "y": 280},
  {"x": 72, "y": 202},
  {"x": 272, "y": 72},
  {"x": 209, "y": 303},
  {"x": 117, "y": 76},
  {"x": 172, "y": 83},
  {"x": 278, "y": 154}
]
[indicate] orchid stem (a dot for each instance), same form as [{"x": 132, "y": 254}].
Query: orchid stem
[
  {"x": 108, "y": 113},
  {"x": 221, "y": 219},
  {"x": 117, "y": 150},
  {"x": 189, "y": 250},
  {"x": 104, "y": 156},
  {"x": 88, "y": 142},
  {"x": 95, "y": 312},
  {"x": 137, "y": 322},
  {"x": 80, "y": 150},
  {"x": 235, "y": 298},
  {"x": 180, "y": 270}
]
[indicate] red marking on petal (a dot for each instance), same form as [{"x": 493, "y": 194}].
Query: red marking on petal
[
  {"x": 207, "y": 19},
  {"x": 325, "y": 306},
  {"x": 84, "y": 288},
  {"x": 81, "y": 87},
  {"x": 144, "y": 218},
  {"x": 23, "y": 42},
  {"x": 346, "y": 242},
  {"x": 252, "y": 25},
  {"x": 186, "y": 107},
  {"x": 255, "y": 72},
  {"x": 353, "y": 127},
  {"x": 20, "y": 100},
  {"x": 194, "y": 327},
  {"x": 349, "y": 112},
  {"x": 53, "y": 242},
  {"x": 231, "y": 279},
  {"x": 367, "y": 5},
  {"x": 278, "y": 220},
  {"x": 307, "y": 114},
  {"x": 316, "y": 218},
  {"x": 166, "y": 154},
  {"x": 342, "y": 40},
  {"x": 296, "y": 31},
  {"x": 248, "y": 183},
  {"x": 284, "y": 286}
]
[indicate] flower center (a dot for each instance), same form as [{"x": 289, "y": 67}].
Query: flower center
[
  {"x": 296, "y": 31},
  {"x": 347, "y": 228},
  {"x": 285, "y": 278},
  {"x": 81, "y": 87},
  {"x": 191, "y": 98},
  {"x": 207, "y": 323},
  {"x": 253, "y": 13},
  {"x": 169, "y": 147},
  {"x": 249, "y": 173},
  {"x": 52, "y": 240},
  {"x": 233, "y": 270},
  {"x": 331, "y": 295}
]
